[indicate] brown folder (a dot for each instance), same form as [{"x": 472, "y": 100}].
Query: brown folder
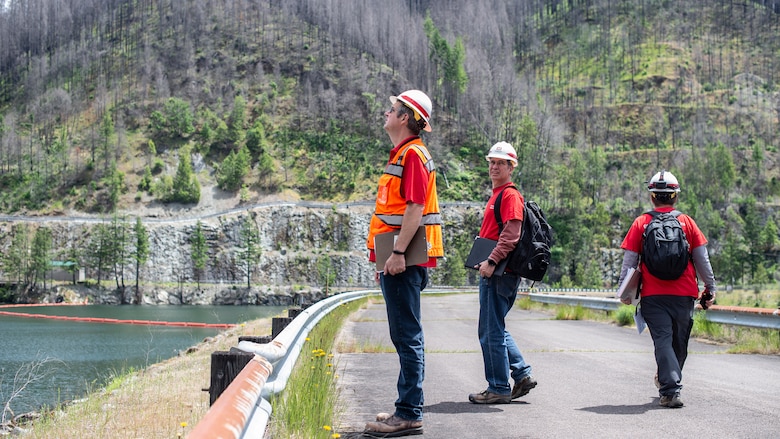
[{"x": 416, "y": 252}]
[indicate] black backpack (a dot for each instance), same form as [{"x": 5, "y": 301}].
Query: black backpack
[
  {"x": 531, "y": 256},
  {"x": 665, "y": 247}
]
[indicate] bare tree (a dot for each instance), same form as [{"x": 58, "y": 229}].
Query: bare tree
[{"x": 25, "y": 377}]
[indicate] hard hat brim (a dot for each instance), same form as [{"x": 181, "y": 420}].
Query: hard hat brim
[{"x": 502, "y": 157}]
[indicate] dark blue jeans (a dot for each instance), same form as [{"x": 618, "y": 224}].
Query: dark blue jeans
[
  {"x": 402, "y": 299},
  {"x": 670, "y": 320},
  {"x": 500, "y": 353}
]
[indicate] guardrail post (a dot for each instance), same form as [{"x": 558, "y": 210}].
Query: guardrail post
[
  {"x": 225, "y": 366},
  {"x": 293, "y": 312},
  {"x": 278, "y": 324}
]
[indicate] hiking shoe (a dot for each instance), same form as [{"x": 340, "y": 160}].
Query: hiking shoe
[
  {"x": 393, "y": 427},
  {"x": 487, "y": 397},
  {"x": 671, "y": 401},
  {"x": 522, "y": 387}
]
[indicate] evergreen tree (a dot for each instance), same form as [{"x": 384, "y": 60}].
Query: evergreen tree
[
  {"x": 231, "y": 173},
  {"x": 265, "y": 169},
  {"x": 99, "y": 249},
  {"x": 152, "y": 149},
  {"x": 449, "y": 62},
  {"x": 454, "y": 271},
  {"x": 72, "y": 256},
  {"x": 730, "y": 261},
  {"x": 16, "y": 259},
  {"x": 250, "y": 247},
  {"x": 140, "y": 255},
  {"x": 237, "y": 120},
  {"x": 326, "y": 272},
  {"x": 115, "y": 181},
  {"x": 752, "y": 233},
  {"x": 199, "y": 251},
  {"x": 526, "y": 145},
  {"x": 256, "y": 140},
  {"x": 769, "y": 236},
  {"x": 106, "y": 134},
  {"x": 117, "y": 252},
  {"x": 40, "y": 254},
  {"x": 186, "y": 188}
]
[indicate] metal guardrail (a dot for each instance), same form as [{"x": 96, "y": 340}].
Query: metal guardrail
[
  {"x": 731, "y": 315},
  {"x": 242, "y": 412},
  {"x": 245, "y": 401},
  {"x": 752, "y": 317}
]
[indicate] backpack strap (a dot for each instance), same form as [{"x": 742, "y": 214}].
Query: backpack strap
[
  {"x": 497, "y": 208},
  {"x": 654, "y": 213}
]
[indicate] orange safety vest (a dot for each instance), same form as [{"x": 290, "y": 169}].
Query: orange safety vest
[{"x": 390, "y": 205}]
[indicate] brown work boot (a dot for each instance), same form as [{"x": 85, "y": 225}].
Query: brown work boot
[
  {"x": 671, "y": 401},
  {"x": 522, "y": 387},
  {"x": 392, "y": 427},
  {"x": 488, "y": 397}
]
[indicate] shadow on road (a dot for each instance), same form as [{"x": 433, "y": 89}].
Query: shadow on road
[{"x": 623, "y": 409}]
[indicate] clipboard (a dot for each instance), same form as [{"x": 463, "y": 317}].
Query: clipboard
[
  {"x": 416, "y": 252},
  {"x": 630, "y": 285},
  {"x": 480, "y": 251}
]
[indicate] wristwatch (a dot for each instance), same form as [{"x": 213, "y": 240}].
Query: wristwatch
[{"x": 491, "y": 263}]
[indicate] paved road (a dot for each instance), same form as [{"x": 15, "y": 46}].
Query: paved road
[{"x": 595, "y": 380}]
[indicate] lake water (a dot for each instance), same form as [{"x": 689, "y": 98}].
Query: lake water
[{"x": 82, "y": 356}]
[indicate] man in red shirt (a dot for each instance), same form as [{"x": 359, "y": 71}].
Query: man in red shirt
[
  {"x": 667, "y": 305},
  {"x": 498, "y": 291},
  {"x": 406, "y": 199}
]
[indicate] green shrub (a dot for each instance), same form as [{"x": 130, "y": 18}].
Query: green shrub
[
  {"x": 568, "y": 312},
  {"x": 624, "y": 316},
  {"x": 705, "y": 328}
]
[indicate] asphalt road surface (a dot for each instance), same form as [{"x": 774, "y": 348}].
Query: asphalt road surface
[{"x": 595, "y": 380}]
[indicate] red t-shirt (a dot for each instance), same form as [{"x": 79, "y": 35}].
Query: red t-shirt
[
  {"x": 511, "y": 209},
  {"x": 686, "y": 285},
  {"x": 414, "y": 183}
]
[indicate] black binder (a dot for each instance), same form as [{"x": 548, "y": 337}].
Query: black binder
[{"x": 480, "y": 251}]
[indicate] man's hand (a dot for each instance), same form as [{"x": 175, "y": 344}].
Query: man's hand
[
  {"x": 486, "y": 270},
  {"x": 395, "y": 264}
]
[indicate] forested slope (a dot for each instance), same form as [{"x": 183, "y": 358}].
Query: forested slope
[{"x": 110, "y": 105}]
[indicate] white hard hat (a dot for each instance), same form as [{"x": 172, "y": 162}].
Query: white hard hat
[
  {"x": 419, "y": 102},
  {"x": 663, "y": 181},
  {"x": 503, "y": 150}
]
